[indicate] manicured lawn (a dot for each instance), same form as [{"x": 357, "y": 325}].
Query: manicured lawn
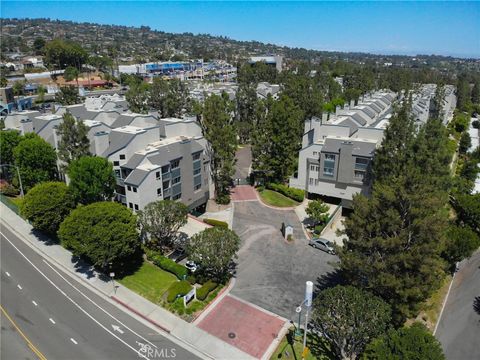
[
  {"x": 291, "y": 348},
  {"x": 274, "y": 198},
  {"x": 149, "y": 281}
]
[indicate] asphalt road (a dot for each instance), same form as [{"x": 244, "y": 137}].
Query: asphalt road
[
  {"x": 459, "y": 327},
  {"x": 62, "y": 319},
  {"x": 271, "y": 272}
]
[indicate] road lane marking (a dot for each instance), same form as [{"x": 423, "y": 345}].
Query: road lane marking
[
  {"x": 73, "y": 301},
  {"x": 34, "y": 303},
  {"x": 19, "y": 287},
  {"x": 94, "y": 303},
  {"x": 73, "y": 340},
  {"x": 29, "y": 343},
  {"x": 7, "y": 273},
  {"x": 52, "y": 321}
]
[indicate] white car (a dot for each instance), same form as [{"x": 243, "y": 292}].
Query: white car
[
  {"x": 323, "y": 244},
  {"x": 191, "y": 266}
]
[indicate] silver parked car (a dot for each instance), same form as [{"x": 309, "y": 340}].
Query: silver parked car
[{"x": 323, "y": 244}]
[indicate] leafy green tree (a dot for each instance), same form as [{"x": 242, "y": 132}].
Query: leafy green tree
[
  {"x": 91, "y": 179},
  {"x": 67, "y": 95},
  {"x": 468, "y": 210},
  {"x": 317, "y": 210},
  {"x": 9, "y": 139},
  {"x": 137, "y": 97},
  {"x": 160, "y": 221},
  {"x": 408, "y": 343},
  {"x": 73, "y": 142},
  {"x": 218, "y": 129},
  {"x": 71, "y": 73},
  {"x": 465, "y": 143},
  {"x": 214, "y": 249},
  {"x": 168, "y": 97},
  {"x": 476, "y": 91},
  {"x": 392, "y": 158},
  {"x": 46, "y": 205},
  {"x": 461, "y": 243},
  {"x": 276, "y": 146},
  {"x": 18, "y": 88},
  {"x": 60, "y": 54},
  {"x": 349, "y": 318},
  {"x": 39, "y": 45},
  {"x": 246, "y": 99},
  {"x": 36, "y": 160},
  {"x": 103, "y": 232}
]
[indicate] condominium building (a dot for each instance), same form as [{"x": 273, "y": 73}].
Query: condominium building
[{"x": 337, "y": 150}]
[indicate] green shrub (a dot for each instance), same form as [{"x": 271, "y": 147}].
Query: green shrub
[
  {"x": 215, "y": 222},
  {"x": 177, "y": 289},
  {"x": 292, "y": 193},
  {"x": 166, "y": 264},
  {"x": 203, "y": 292}
]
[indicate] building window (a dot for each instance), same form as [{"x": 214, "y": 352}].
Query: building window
[
  {"x": 196, "y": 156},
  {"x": 196, "y": 171},
  {"x": 328, "y": 171},
  {"x": 122, "y": 156},
  {"x": 116, "y": 163},
  {"x": 130, "y": 205},
  {"x": 196, "y": 187},
  {"x": 175, "y": 164},
  {"x": 134, "y": 189},
  {"x": 157, "y": 175},
  {"x": 329, "y": 165},
  {"x": 136, "y": 207},
  {"x": 176, "y": 197},
  {"x": 159, "y": 192},
  {"x": 359, "y": 175},
  {"x": 129, "y": 188},
  {"x": 166, "y": 184},
  {"x": 165, "y": 169},
  {"x": 361, "y": 163},
  {"x": 176, "y": 180}
]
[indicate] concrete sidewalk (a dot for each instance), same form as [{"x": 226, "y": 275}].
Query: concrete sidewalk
[{"x": 207, "y": 345}]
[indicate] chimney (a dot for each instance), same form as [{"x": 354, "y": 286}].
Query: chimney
[
  {"x": 337, "y": 110},
  {"x": 324, "y": 117}
]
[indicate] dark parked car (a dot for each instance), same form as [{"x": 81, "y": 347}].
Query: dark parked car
[
  {"x": 323, "y": 244},
  {"x": 177, "y": 255}
]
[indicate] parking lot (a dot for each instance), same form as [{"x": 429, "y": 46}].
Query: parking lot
[{"x": 272, "y": 272}]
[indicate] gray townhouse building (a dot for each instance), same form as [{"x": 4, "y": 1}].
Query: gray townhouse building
[
  {"x": 337, "y": 150},
  {"x": 152, "y": 158}
]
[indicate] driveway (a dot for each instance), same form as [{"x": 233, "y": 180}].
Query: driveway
[
  {"x": 271, "y": 273},
  {"x": 459, "y": 327}
]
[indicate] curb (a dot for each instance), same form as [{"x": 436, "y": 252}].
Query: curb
[{"x": 140, "y": 314}]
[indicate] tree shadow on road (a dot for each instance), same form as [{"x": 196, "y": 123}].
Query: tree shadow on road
[{"x": 476, "y": 305}]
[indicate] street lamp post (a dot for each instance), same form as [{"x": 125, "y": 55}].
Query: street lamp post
[
  {"x": 19, "y": 178},
  {"x": 308, "y": 304}
]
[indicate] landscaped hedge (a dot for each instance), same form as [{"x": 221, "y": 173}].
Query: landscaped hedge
[
  {"x": 292, "y": 193},
  {"x": 203, "y": 292},
  {"x": 215, "y": 222},
  {"x": 167, "y": 264},
  {"x": 177, "y": 289}
]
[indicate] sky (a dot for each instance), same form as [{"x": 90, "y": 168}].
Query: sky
[{"x": 411, "y": 28}]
